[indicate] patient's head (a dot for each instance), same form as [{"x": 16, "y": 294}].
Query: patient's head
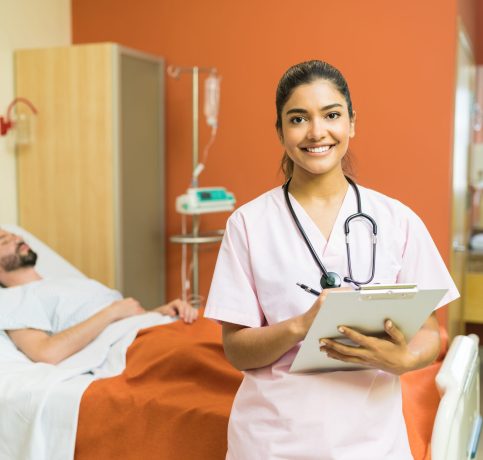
[{"x": 15, "y": 254}]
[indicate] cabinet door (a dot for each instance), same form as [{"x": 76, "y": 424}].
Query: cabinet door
[
  {"x": 141, "y": 178},
  {"x": 65, "y": 178},
  {"x": 474, "y": 297}
]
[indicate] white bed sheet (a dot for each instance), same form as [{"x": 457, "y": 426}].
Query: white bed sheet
[{"x": 39, "y": 403}]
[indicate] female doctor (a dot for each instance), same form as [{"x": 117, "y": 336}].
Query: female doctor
[{"x": 353, "y": 415}]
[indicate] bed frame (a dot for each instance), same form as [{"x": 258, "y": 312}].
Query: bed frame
[{"x": 457, "y": 426}]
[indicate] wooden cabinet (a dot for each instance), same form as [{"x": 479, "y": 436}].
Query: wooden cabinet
[
  {"x": 473, "y": 289},
  {"x": 474, "y": 297},
  {"x": 91, "y": 185}
]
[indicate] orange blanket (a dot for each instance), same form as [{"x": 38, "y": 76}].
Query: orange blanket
[{"x": 174, "y": 398}]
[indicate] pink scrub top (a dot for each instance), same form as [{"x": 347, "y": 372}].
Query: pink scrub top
[{"x": 347, "y": 415}]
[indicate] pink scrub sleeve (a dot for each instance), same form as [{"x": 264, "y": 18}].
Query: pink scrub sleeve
[
  {"x": 422, "y": 262},
  {"x": 232, "y": 296}
]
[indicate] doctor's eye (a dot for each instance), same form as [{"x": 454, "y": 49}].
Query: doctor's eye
[
  {"x": 297, "y": 120},
  {"x": 333, "y": 115}
]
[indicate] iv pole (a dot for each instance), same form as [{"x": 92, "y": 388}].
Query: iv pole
[
  {"x": 195, "y": 219},
  {"x": 194, "y": 239}
]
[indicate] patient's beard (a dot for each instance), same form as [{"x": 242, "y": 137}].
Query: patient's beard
[{"x": 17, "y": 260}]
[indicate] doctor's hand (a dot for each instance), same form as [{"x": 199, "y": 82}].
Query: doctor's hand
[
  {"x": 306, "y": 320},
  {"x": 179, "y": 308},
  {"x": 390, "y": 354}
]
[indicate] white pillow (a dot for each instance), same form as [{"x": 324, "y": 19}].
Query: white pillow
[{"x": 49, "y": 263}]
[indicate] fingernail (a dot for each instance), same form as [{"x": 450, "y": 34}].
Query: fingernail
[
  {"x": 388, "y": 324},
  {"x": 321, "y": 343},
  {"x": 341, "y": 329}
]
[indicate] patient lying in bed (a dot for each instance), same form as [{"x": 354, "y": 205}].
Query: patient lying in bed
[{"x": 49, "y": 320}]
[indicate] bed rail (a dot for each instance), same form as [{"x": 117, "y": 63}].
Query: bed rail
[{"x": 457, "y": 426}]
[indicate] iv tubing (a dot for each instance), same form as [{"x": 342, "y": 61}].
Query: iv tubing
[
  {"x": 201, "y": 165},
  {"x": 184, "y": 255}
]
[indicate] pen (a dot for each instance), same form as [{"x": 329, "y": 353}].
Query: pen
[{"x": 308, "y": 289}]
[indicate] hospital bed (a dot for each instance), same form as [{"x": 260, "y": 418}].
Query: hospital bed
[{"x": 174, "y": 397}]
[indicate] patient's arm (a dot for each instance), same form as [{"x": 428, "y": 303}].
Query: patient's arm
[
  {"x": 42, "y": 347},
  {"x": 179, "y": 308}
]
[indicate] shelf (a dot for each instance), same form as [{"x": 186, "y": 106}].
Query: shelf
[{"x": 214, "y": 236}]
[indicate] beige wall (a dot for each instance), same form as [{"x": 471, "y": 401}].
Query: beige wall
[{"x": 24, "y": 24}]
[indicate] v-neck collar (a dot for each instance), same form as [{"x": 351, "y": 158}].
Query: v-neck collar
[{"x": 313, "y": 232}]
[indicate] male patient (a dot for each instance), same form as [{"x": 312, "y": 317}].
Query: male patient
[{"x": 50, "y": 320}]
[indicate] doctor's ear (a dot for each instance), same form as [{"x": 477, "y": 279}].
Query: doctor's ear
[
  {"x": 280, "y": 135},
  {"x": 352, "y": 132}
]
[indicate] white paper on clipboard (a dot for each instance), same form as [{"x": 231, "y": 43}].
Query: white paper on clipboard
[{"x": 364, "y": 311}]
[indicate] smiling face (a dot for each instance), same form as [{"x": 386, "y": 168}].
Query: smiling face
[
  {"x": 14, "y": 252},
  {"x": 316, "y": 127}
]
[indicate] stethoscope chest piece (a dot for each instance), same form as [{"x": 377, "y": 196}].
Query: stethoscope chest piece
[{"x": 332, "y": 280}]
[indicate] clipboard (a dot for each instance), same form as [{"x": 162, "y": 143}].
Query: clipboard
[{"x": 364, "y": 310}]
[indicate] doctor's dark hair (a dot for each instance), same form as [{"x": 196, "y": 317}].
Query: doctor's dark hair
[{"x": 302, "y": 74}]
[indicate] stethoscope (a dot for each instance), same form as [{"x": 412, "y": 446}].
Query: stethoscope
[{"x": 332, "y": 279}]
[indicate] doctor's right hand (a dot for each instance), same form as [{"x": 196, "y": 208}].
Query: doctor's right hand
[{"x": 306, "y": 319}]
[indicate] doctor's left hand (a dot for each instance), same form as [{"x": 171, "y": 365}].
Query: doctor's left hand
[{"x": 390, "y": 354}]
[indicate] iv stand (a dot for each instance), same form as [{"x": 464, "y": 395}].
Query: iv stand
[{"x": 195, "y": 238}]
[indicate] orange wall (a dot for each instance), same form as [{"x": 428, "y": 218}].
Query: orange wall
[
  {"x": 467, "y": 10},
  {"x": 398, "y": 56},
  {"x": 479, "y": 33}
]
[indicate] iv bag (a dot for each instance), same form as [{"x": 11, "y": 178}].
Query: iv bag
[{"x": 212, "y": 99}]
